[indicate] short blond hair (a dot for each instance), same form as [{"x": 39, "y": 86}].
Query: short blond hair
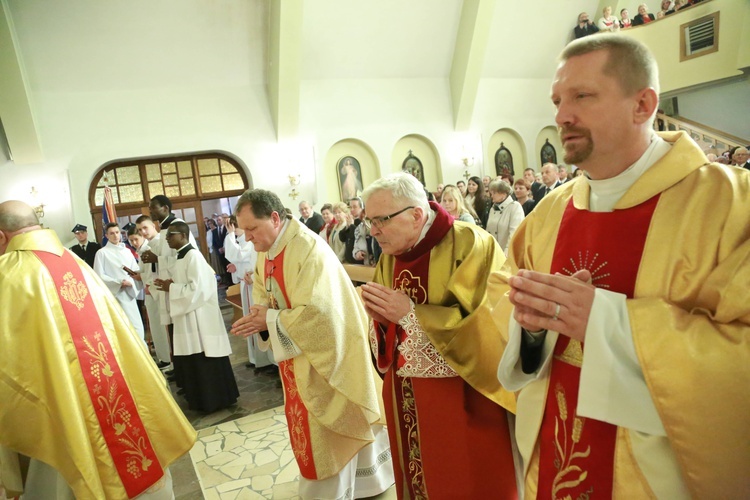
[{"x": 628, "y": 60}]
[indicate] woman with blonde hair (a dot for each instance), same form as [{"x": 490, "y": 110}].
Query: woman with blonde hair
[
  {"x": 608, "y": 22},
  {"x": 344, "y": 219},
  {"x": 453, "y": 203}
]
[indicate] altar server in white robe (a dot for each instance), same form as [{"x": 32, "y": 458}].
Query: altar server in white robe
[
  {"x": 243, "y": 256},
  {"x": 148, "y": 274},
  {"x": 109, "y": 264},
  {"x": 201, "y": 343}
]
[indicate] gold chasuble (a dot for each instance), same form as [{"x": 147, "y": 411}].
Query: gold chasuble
[
  {"x": 446, "y": 410},
  {"x": 330, "y": 392},
  {"x": 677, "y": 245},
  {"x": 79, "y": 392}
]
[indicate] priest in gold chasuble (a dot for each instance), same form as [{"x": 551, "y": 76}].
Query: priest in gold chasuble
[
  {"x": 80, "y": 395},
  {"x": 306, "y": 309},
  {"x": 435, "y": 342},
  {"x": 626, "y": 300}
]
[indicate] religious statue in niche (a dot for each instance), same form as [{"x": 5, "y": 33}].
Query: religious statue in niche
[
  {"x": 413, "y": 166},
  {"x": 504, "y": 161},
  {"x": 548, "y": 153},
  {"x": 350, "y": 177}
]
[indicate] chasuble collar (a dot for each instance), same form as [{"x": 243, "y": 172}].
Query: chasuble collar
[
  {"x": 167, "y": 221},
  {"x": 280, "y": 243},
  {"x": 441, "y": 225},
  {"x": 44, "y": 240}
]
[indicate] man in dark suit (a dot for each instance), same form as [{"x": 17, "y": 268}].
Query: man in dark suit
[
  {"x": 85, "y": 250},
  {"x": 219, "y": 234},
  {"x": 741, "y": 158},
  {"x": 530, "y": 176},
  {"x": 550, "y": 181},
  {"x": 584, "y": 27},
  {"x": 313, "y": 220}
]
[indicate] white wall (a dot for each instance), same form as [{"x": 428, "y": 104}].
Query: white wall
[{"x": 725, "y": 107}]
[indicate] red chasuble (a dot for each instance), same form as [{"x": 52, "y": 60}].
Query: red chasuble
[
  {"x": 294, "y": 408},
  {"x": 447, "y": 440},
  {"x": 120, "y": 424},
  {"x": 577, "y": 453}
]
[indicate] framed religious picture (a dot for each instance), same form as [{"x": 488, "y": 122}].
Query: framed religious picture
[
  {"x": 412, "y": 165},
  {"x": 350, "y": 177},
  {"x": 548, "y": 153},
  {"x": 504, "y": 161}
]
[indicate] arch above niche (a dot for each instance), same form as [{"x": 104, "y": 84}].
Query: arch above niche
[
  {"x": 339, "y": 165},
  {"x": 548, "y": 134},
  {"x": 510, "y": 140},
  {"x": 424, "y": 149}
]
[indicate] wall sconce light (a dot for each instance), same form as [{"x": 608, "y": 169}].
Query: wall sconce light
[
  {"x": 36, "y": 204},
  {"x": 294, "y": 182},
  {"x": 468, "y": 162}
]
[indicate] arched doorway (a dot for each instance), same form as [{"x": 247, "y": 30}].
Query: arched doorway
[{"x": 190, "y": 181}]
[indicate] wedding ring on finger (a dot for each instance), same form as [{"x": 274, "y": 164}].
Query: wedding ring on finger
[{"x": 557, "y": 311}]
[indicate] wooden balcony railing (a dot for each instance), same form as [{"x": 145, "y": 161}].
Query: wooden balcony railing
[{"x": 709, "y": 139}]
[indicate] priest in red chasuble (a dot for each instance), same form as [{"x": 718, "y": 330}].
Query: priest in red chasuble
[
  {"x": 434, "y": 340},
  {"x": 79, "y": 394},
  {"x": 626, "y": 300},
  {"x": 307, "y": 311}
]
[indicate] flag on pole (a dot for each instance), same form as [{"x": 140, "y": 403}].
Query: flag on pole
[{"x": 108, "y": 212}]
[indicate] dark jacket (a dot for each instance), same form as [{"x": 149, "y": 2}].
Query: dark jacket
[
  {"x": 588, "y": 29},
  {"x": 638, "y": 19},
  {"x": 87, "y": 255},
  {"x": 315, "y": 223}
]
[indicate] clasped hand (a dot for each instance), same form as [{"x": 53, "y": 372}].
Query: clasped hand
[
  {"x": 383, "y": 304},
  {"x": 252, "y": 323},
  {"x": 553, "y": 302},
  {"x": 163, "y": 285}
]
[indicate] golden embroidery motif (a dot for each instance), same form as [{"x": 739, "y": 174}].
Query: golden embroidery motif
[
  {"x": 409, "y": 415},
  {"x": 563, "y": 455},
  {"x": 118, "y": 417},
  {"x": 573, "y": 354},
  {"x": 593, "y": 268},
  {"x": 73, "y": 291},
  {"x": 412, "y": 286}
]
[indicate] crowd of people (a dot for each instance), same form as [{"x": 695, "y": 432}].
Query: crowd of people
[
  {"x": 534, "y": 337},
  {"x": 609, "y": 22}
]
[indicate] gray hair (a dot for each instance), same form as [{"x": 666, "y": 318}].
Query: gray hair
[
  {"x": 499, "y": 186},
  {"x": 404, "y": 188},
  {"x": 262, "y": 204},
  {"x": 629, "y": 61}
]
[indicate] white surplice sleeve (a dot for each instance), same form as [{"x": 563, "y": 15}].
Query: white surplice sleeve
[
  {"x": 282, "y": 345},
  {"x": 103, "y": 267},
  {"x": 197, "y": 288}
]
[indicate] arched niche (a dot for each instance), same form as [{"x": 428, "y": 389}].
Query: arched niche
[
  {"x": 547, "y": 134},
  {"x": 336, "y": 158},
  {"x": 423, "y": 148},
  {"x": 509, "y": 139}
]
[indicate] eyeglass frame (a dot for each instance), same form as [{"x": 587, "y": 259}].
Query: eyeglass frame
[{"x": 379, "y": 222}]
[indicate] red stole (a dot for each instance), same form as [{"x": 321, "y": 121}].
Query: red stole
[
  {"x": 294, "y": 408},
  {"x": 577, "y": 453},
  {"x": 120, "y": 424}
]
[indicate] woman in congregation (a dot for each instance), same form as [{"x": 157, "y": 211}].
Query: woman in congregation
[
  {"x": 625, "y": 21},
  {"x": 506, "y": 214},
  {"x": 478, "y": 200},
  {"x": 608, "y": 22},
  {"x": 327, "y": 213},
  {"x": 643, "y": 17},
  {"x": 343, "y": 219},
  {"x": 522, "y": 190},
  {"x": 453, "y": 203}
]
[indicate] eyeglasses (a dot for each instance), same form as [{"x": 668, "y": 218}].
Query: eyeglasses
[{"x": 379, "y": 222}]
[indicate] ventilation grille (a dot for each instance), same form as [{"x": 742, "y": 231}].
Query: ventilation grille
[{"x": 701, "y": 36}]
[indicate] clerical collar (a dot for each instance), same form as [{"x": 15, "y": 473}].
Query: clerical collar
[
  {"x": 167, "y": 221},
  {"x": 439, "y": 222},
  {"x": 274, "y": 250},
  {"x": 183, "y": 250},
  {"x": 607, "y": 192}
]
